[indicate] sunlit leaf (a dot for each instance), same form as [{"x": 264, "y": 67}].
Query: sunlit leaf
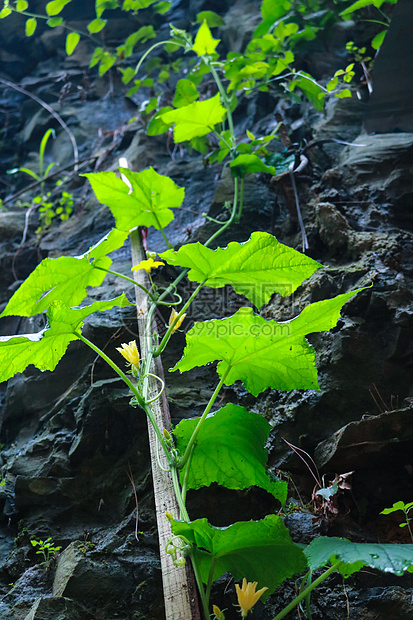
[
  {"x": 262, "y": 354},
  {"x": 22, "y": 5},
  {"x": 196, "y": 119},
  {"x": 72, "y": 40},
  {"x": 230, "y": 451},
  {"x": 388, "y": 558},
  {"x": 257, "y": 268},
  {"x": 260, "y": 551},
  {"x": 205, "y": 43},
  {"x": 150, "y": 203},
  {"x": 46, "y": 348},
  {"x": 30, "y": 26},
  {"x": 64, "y": 279},
  {"x": 96, "y": 25},
  {"x": 54, "y": 7}
]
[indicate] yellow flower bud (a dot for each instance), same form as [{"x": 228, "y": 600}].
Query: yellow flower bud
[
  {"x": 172, "y": 318},
  {"x": 247, "y": 596},
  {"x": 130, "y": 352},
  {"x": 148, "y": 265},
  {"x": 219, "y": 615}
]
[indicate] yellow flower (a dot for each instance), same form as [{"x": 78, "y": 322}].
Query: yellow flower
[
  {"x": 148, "y": 265},
  {"x": 247, "y": 596},
  {"x": 172, "y": 318},
  {"x": 130, "y": 352},
  {"x": 219, "y": 615}
]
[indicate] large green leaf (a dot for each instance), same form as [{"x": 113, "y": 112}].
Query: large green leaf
[
  {"x": 257, "y": 268},
  {"x": 46, "y": 348},
  {"x": 150, "y": 202},
  {"x": 64, "y": 279},
  {"x": 388, "y": 558},
  {"x": 196, "y": 119},
  {"x": 257, "y": 550},
  {"x": 262, "y": 354},
  {"x": 230, "y": 451}
]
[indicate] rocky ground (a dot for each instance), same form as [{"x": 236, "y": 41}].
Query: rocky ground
[{"x": 71, "y": 442}]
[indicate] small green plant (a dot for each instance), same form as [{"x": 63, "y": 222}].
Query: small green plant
[
  {"x": 46, "y": 548},
  {"x": 42, "y": 175},
  {"x": 405, "y": 509}
]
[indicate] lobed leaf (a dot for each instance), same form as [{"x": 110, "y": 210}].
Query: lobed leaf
[
  {"x": 46, "y": 348},
  {"x": 196, "y": 119},
  {"x": 64, "y": 279},
  {"x": 262, "y": 354},
  {"x": 257, "y": 268},
  {"x": 150, "y": 203},
  {"x": 388, "y": 558},
  {"x": 230, "y": 451},
  {"x": 260, "y": 551},
  {"x": 205, "y": 43}
]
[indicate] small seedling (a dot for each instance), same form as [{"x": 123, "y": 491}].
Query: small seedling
[
  {"x": 47, "y": 549},
  {"x": 405, "y": 508}
]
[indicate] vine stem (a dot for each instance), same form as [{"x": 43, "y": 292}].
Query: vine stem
[
  {"x": 121, "y": 275},
  {"x": 307, "y": 591},
  {"x": 198, "y": 427},
  {"x": 168, "y": 334}
]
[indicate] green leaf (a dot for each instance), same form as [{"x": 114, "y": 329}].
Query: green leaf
[
  {"x": 196, "y": 119},
  {"x": 102, "y": 5},
  {"x": 310, "y": 88},
  {"x": 46, "y": 348},
  {"x": 162, "y": 7},
  {"x": 72, "y": 40},
  {"x": 106, "y": 61},
  {"x": 211, "y": 18},
  {"x": 205, "y": 43},
  {"x": 156, "y": 126},
  {"x": 378, "y": 40},
  {"x": 30, "y": 26},
  {"x": 54, "y": 7},
  {"x": 257, "y": 268},
  {"x": 397, "y": 506},
  {"x": 360, "y": 4},
  {"x": 5, "y": 12},
  {"x": 260, "y": 551},
  {"x": 262, "y": 354},
  {"x": 54, "y": 21},
  {"x": 388, "y": 558},
  {"x": 150, "y": 203},
  {"x": 274, "y": 10},
  {"x": 185, "y": 93},
  {"x": 248, "y": 163},
  {"x": 230, "y": 451},
  {"x": 22, "y": 5},
  {"x": 64, "y": 279},
  {"x": 343, "y": 94},
  {"x": 280, "y": 162},
  {"x": 96, "y": 25},
  {"x": 136, "y": 5}
]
